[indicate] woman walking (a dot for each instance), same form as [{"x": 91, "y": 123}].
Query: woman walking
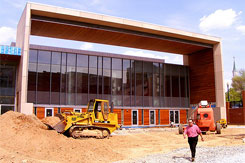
[{"x": 192, "y": 131}]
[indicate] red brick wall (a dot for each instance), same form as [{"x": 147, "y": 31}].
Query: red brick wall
[{"x": 236, "y": 116}]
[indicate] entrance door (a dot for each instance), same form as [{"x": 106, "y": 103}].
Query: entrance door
[
  {"x": 174, "y": 116},
  {"x": 152, "y": 117},
  {"x": 135, "y": 117}
]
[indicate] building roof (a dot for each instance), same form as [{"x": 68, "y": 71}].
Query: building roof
[{"x": 58, "y": 22}]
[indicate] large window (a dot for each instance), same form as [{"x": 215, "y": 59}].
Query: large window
[
  {"x": 156, "y": 84},
  {"x": 167, "y": 85},
  {"x": 32, "y": 76},
  {"x": 139, "y": 83},
  {"x": 55, "y": 77},
  {"x": 107, "y": 78},
  {"x": 116, "y": 82},
  {"x": 92, "y": 77},
  {"x": 133, "y": 88},
  {"x": 72, "y": 79},
  {"x": 63, "y": 80},
  {"x": 126, "y": 82},
  {"x": 148, "y": 77},
  {"x": 100, "y": 77},
  {"x": 43, "y": 82},
  {"x": 175, "y": 86},
  {"x": 82, "y": 79}
]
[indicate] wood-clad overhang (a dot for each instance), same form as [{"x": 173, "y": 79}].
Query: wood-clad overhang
[{"x": 76, "y": 28}]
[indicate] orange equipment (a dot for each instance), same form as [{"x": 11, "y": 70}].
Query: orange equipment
[{"x": 203, "y": 117}]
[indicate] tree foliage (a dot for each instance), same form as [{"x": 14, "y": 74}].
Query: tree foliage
[
  {"x": 238, "y": 84},
  {"x": 234, "y": 95}
]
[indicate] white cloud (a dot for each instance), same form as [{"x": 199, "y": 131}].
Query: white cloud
[
  {"x": 86, "y": 46},
  {"x": 241, "y": 29},
  {"x": 7, "y": 35},
  {"x": 220, "y": 19},
  {"x": 141, "y": 53},
  {"x": 169, "y": 58}
]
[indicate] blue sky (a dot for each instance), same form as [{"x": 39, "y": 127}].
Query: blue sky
[{"x": 221, "y": 18}]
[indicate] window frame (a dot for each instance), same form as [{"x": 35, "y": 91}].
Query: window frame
[{"x": 45, "y": 115}]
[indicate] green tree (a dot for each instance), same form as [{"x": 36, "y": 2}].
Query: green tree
[
  {"x": 234, "y": 95},
  {"x": 238, "y": 83}
]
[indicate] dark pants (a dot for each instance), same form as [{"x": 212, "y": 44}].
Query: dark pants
[{"x": 193, "y": 143}]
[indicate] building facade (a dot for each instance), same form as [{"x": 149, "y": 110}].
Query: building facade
[
  {"x": 66, "y": 79},
  {"x": 145, "y": 92}
]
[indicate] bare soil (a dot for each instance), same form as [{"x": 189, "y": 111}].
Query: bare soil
[{"x": 26, "y": 139}]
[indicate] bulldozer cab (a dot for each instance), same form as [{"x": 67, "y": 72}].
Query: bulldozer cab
[{"x": 100, "y": 109}]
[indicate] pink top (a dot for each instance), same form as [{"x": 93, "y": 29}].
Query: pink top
[{"x": 192, "y": 131}]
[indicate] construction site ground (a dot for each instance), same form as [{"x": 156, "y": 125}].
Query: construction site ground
[{"x": 26, "y": 139}]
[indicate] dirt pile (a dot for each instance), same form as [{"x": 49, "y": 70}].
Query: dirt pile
[{"x": 26, "y": 136}]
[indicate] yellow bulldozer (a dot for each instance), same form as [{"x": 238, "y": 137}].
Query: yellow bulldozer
[{"x": 98, "y": 121}]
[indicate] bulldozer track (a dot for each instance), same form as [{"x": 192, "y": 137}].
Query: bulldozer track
[{"x": 77, "y": 132}]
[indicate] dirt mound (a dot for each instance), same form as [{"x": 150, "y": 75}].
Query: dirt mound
[
  {"x": 19, "y": 121},
  {"x": 52, "y": 121},
  {"x": 25, "y": 136}
]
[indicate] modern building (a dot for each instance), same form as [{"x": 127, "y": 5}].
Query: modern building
[{"x": 146, "y": 92}]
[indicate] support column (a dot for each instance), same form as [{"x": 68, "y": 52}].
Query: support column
[
  {"x": 220, "y": 110},
  {"x": 22, "y": 41}
]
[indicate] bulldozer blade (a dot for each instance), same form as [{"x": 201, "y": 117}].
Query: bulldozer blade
[
  {"x": 59, "y": 116},
  {"x": 59, "y": 127}
]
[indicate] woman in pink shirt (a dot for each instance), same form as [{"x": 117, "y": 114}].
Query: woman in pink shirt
[{"x": 192, "y": 131}]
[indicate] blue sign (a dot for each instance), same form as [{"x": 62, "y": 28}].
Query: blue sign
[{"x": 10, "y": 50}]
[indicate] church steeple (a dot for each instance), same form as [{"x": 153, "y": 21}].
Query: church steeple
[{"x": 234, "y": 71}]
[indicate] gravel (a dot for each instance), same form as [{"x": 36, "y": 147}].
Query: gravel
[{"x": 234, "y": 154}]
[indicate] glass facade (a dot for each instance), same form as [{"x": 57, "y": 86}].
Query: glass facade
[
  {"x": 7, "y": 87},
  {"x": 72, "y": 79}
]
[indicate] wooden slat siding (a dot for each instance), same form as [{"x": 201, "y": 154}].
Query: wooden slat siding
[
  {"x": 140, "y": 117},
  {"x": 64, "y": 31},
  {"x": 164, "y": 117},
  {"x": 183, "y": 116},
  {"x": 157, "y": 119},
  {"x": 202, "y": 80},
  {"x": 146, "y": 117},
  {"x": 84, "y": 110},
  {"x": 66, "y": 109},
  {"x": 40, "y": 112},
  {"x": 55, "y": 111},
  {"x": 127, "y": 117},
  {"x": 118, "y": 112}
]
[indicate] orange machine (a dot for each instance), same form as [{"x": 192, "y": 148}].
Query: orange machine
[{"x": 203, "y": 117}]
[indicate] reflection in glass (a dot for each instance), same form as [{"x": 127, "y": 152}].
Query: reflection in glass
[
  {"x": 92, "y": 77},
  {"x": 116, "y": 81},
  {"x": 55, "y": 78},
  {"x": 156, "y": 84},
  {"x": 82, "y": 79},
  {"x": 71, "y": 78},
  {"x": 139, "y": 83},
  {"x": 32, "y": 76},
  {"x": 107, "y": 78},
  {"x": 126, "y": 82},
  {"x": 148, "y": 84},
  {"x": 43, "y": 83}
]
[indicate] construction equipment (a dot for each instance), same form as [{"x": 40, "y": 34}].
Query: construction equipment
[
  {"x": 97, "y": 121},
  {"x": 222, "y": 122},
  {"x": 203, "y": 117}
]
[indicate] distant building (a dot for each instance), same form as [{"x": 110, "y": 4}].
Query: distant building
[{"x": 234, "y": 71}]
